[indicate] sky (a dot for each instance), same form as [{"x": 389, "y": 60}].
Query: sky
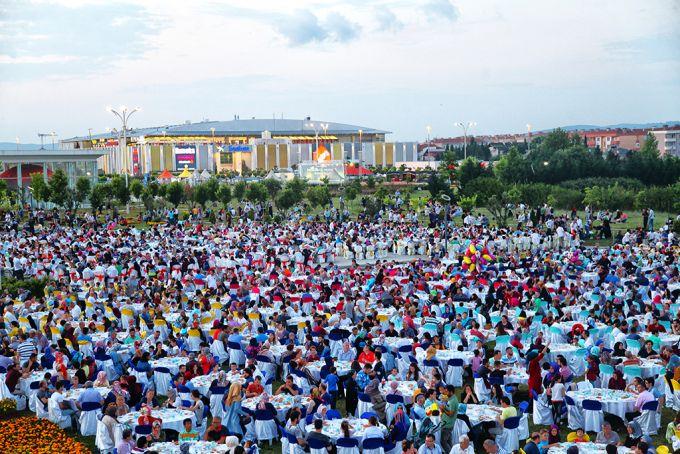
[{"x": 398, "y": 65}]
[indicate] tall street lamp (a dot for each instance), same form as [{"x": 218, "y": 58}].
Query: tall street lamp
[
  {"x": 446, "y": 199},
  {"x": 124, "y": 115},
  {"x": 528, "y": 138},
  {"x": 465, "y": 127}
]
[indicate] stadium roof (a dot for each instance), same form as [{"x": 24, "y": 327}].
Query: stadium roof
[{"x": 246, "y": 127}]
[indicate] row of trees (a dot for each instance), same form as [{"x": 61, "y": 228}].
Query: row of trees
[{"x": 563, "y": 173}]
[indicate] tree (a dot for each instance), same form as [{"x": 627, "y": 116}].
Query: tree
[
  {"x": 273, "y": 187},
  {"x": 60, "y": 193},
  {"x": 41, "y": 190},
  {"x": 136, "y": 188},
  {"x": 286, "y": 199},
  {"x": 350, "y": 193},
  {"x": 257, "y": 192},
  {"x": 483, "y": 188},
  {"x": 224, "y": 195},
  {"x": 512, "y": 167},
  {"x": 298, "y": 187},
  {"x": 470, "y": 169},
  {"x": 437, "y": 184},
  {"x": 120, "y": 190},
  {"x": 650, "y": 148},
  {"x": 82, "y": 190},
  {"x": 240, "y": 190},
  {"x": 201, "y": 194},
  {"x": 370, "y": 182},
  {"x": 319, "y": 195},
  {"x": 98, "y": 197},
  {"x": 211, "y": 187},
  {"x": 557, "y": 139},
  {"x": 174, "y": 193},
  {"x": 148, "y": 197},
  {"x": 468, "y": 203},
  {"x": 500, "y": 206}
]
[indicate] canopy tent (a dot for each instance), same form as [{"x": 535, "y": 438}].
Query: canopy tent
[
  {"x": 185, "y": 173},
  {"x": 165, "y": 175},
  {"x": 205, "y": 175},
  {"x": 355, "y": 171}
]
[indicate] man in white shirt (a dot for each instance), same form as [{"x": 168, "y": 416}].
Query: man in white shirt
[{"x": 463, "y": 447}]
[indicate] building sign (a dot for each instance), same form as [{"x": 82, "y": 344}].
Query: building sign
[
  {"x": 135, "y": 161},
  {"x": 185, "y": 156},
  {"x": 241, "y": 148}
]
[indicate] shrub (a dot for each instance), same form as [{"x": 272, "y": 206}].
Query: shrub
[
  {"x": 13, "y": 286},
  {"x": 581, "y": 184},
  {"x": 566, "y": 199},
  {"x": 610, "y": 198},
  {"x": 660, "y": 198}
]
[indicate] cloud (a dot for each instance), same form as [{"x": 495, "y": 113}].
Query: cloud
[
  {"x": 304, "y": 27},
  {"x": 341, "y": 28},
  {"x": 36, "y": 59},
  {"x": 387, "y": 20},
  {"x": 441, "y": 9}
]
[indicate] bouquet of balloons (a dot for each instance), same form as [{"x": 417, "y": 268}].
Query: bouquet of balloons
[{"x": 476, "y": 259}]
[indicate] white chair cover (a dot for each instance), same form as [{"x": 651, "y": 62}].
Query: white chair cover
[
  {"x": 217, "y": 349},
  {"x": 574, "y": 417},
  {"x": 542, "y": 412},
  {"x": 454, "y": 376},
  {"x": 584, "y": 386},
  {"x": 459, "y": 428},
  {"x": 216, "y": 408},
  {"x": 481, "y": 390},
  {"x": 88, "y": 422},
  {"x": 363, "y": 407},
  {"x": 163, "y": 381},
  {"x": 141, "y": 376},
  {"x": 508, "y": 440},
  {"x": 592, "y": 420},
  {"x": 55, "y": 415},
  {"x": 648, "y": 421},
  {"x": 265, "y": 430},
  {"x": 107, "y": 366},
  {"x": 40, "y": 408},
  {"x": 237, "y": 356},
  {"x": 524, "y": 427},
  {"x": 193, "y": 343}
]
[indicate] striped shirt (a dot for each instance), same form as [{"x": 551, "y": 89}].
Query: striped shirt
[{"x": 26, "y": 349}]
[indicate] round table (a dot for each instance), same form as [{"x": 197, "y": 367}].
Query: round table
[
  {"x": 443, "y": 356},
  {"x": 482, "y": 413},
  {"x": 282, "y": 403},
  {"x": 74, "y": 394},
  {"x": 586, "y": 448},
  {"x": 202, "y": 382},
  {"x": 314, "y": 368},
  {"x": 613, "y": 401},
  {"x": 566, "y": 350},
  {"x": 406, "y": 388},
  {"x": 516, "y": 375},
  {"x": 649, "y": 367},
  {"x": 171, "y": 362},
  {"x": 357, "y": 427},
  {"x": 393, "y": 343},
  {"x": 172, "y": 418}
]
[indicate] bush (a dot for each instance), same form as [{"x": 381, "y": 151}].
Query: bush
[
  {"x": 609, "y": 198},
  {"x": 483, "y": 188},
  {"x": 660, "y": 198},
  {"x": 534, "y": 194},
  {"x": 581, "y": 184},
  {"x": 566, "y": 199},
  {"x": 13, "y": 286}
]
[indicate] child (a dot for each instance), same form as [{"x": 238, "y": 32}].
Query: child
[
  {"x": 331, "y": 381},
  {"x": 394, "y": 375}
]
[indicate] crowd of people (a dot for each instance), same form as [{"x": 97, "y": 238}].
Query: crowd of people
[{"x": 342, "y": 335}]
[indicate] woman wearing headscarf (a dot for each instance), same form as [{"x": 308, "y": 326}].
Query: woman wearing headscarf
[
  {"x": 60, "y": 368},
  {"x": 534, "y": 369},
  {"x": 234, "y": 415},
  {"x": 633, "y": 434},
  {"x": 377, "y": 399},
  {"x": 617, "y": 381},
  {"x": 102, "y": 380},
  {"x": 171, "y": 402},
  {"x": 400, "y": 425}
]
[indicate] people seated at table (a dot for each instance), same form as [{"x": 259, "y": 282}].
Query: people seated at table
[
  {"x": 188, "y": 432},
  {"x": 578, "y": 436}
]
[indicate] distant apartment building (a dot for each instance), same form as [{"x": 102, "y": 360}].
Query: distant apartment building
[{"x": 668, "y": 140}]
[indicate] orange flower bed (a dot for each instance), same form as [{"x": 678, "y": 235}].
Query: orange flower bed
[{"x": 32, "y": 435}]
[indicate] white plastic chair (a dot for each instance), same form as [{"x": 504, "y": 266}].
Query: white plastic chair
[
  {"x": 265, "y": 426},
  {"x": 102, "y": 438},
  {"x": 542, "y": 412},
  {"x": 217, "y": 349}
]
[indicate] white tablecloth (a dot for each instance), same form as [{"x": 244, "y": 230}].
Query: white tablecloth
[
  {"x": 172, "y": 418},
  {"x": 332, "y": 428},
  {"x": 613, "y": 401},
  {"x": 405, "y": 388},
  {"x": 282, "y": 403},
  {"x": 343, "y": 368},
  {"x": 586, "y": 448},
  {"x": 197, "y": 447},
  {"x": 172, "y": 363},
  {"x": 482, "y": 413}
]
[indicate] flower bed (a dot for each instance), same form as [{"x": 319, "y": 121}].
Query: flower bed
[{"x": 31, "y": 435}]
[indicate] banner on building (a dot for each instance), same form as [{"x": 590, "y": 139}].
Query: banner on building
[{"x": 185, "y": 156}]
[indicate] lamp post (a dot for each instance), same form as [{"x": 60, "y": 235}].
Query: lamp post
[
  {"x": 316, "y": 129},
  {"x": 17, "y": 139},
  {"x": 429, "y": 130},
  {"x": 446, "y": 199},
  {"x": 212, "y": 131},
  {"x": 528, "y": 138},
  {"x": 53, "y": 134},
  {"x": 465, "y": 127},
  {"x": 124, "y": 115}
]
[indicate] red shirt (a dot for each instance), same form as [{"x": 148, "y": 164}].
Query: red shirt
[{"x": 366, "y": 358}]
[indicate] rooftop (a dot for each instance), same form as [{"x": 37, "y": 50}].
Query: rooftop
[{"x": 246, "y": 127}]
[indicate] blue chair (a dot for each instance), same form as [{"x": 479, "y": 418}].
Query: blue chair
[
  {"x": 316, "y": 446},
  {"x": 592, "y": 415},
  {"x": 373, "y": 445},
  {"x": 186, "y": 403},
  {"x": 347, "y": 443},
  {"x": 368, "y": 414},
  {"x": 405, "y": 349},
  {"x": 524, "y": 405}
]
